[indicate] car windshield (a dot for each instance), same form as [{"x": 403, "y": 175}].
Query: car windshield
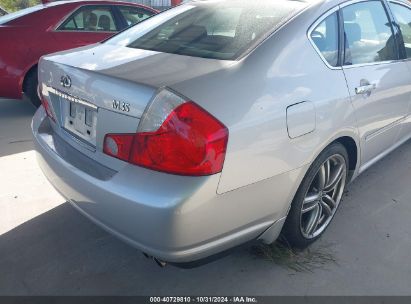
[{"x": 217, "y": 29}]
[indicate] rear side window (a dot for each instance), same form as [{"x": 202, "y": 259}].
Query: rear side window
[
  {"x": 90, "y": 19},
  {"x": 134, "y": 15},
  {"x": 215, "y": 29},
  {"x": 403, "y": 16},
  {"x": 368, "y": 34},
  {"x": 325, "y": 38}
]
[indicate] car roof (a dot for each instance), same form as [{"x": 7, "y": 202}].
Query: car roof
[
  {"x": 251, "y": 2},
  {"x": 12, "y": 17},
  {"x": 111, "y": 2},
  {"x": 337, "y": 2}
]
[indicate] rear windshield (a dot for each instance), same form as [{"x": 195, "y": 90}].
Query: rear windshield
[
  {"x": 218, "y": 29},
  {"x": 12, "y": 16}
]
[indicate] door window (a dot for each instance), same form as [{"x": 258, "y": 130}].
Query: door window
[
  {"x": 90, "y": 19},
  {"x": 368, "y": 34},
  {"x": 403, "y": 16},
  {"x": 134, "y": 15},
  {"x": 325, "y": 38}
]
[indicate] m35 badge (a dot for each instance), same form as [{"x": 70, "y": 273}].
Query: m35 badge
[{"x": 121, "y": 106}]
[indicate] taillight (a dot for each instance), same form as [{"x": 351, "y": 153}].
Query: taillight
[
  {"x": 174, "y": 136},
  {"x": 46, "y": 105},
  {"x": 118, "y": 145}
]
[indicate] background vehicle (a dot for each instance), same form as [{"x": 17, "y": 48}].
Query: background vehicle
[
  {"x": 219, "y": 122},
  {"x": 2, "y": 11},
  {"x": 158, "y": 4},
  {"x": 56, "y": 26}
]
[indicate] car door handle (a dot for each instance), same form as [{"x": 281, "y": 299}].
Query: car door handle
[{"x": 365, "y": 89}]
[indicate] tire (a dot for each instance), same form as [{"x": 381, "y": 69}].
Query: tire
[
  {"x": 30, "y": 87},
  {"x": 309, "y": 206}
]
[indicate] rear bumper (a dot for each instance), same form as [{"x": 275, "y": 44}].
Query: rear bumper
[{"x": 174, "y": 218}]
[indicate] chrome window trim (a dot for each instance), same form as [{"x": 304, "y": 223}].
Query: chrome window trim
[
  {"x": 65, "y": 18},
  {"x": 74, "y": 31},
  {"x": 406, "y": 5},
  {"x": 371, "y": 63},
  {"x": 145, "y": 10},
  {"x": 335, "y": 9},
  {"x": 312, "y": 28},
  {"x": 347, "y": 3},
  {"x": 119, "y": 6}
]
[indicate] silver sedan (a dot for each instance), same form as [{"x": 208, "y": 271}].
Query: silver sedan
[{"x": 219, "y": 122}]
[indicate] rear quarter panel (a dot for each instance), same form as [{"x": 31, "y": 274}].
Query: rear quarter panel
[{"x": 252, "y": 99}]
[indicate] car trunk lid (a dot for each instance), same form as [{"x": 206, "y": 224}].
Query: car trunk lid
[
  {"x": 144, "y": 67},
  {"x": 113, "y": 86}
]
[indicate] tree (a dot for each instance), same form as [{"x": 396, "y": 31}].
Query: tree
[{"x": 15, "y": 5}]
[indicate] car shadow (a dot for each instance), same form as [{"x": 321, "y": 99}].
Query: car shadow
[
  {"x": 15, "y": 131},
  {"x": 62, "y": 253}
]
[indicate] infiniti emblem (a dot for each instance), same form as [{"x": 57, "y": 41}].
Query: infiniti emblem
[{"x": 65, "y": 81}]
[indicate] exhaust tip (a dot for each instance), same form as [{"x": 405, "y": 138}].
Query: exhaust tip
[{"x": 160, "y": 263}]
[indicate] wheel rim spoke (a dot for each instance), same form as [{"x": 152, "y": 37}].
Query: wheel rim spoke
[
  {"x": 333, "y": 182},
  {"x": 326, "y": 208},
  {"x": 312, "y": 197},
  {"x": 313, "y": 223},
  {"x": 310, "y": 202},
  {"x": 322, "y": 175},
  {"x": 327, "y": 168},
  {"x": 329, "y": 201},
  {"x": 323, "y": 197},
  {"x": 309, "y": 206}
]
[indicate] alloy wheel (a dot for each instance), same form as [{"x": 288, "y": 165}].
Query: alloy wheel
[{"x": 323, "y": 196}]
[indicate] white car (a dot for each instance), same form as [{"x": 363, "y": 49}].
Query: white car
[{"x": 219, "y": 122}]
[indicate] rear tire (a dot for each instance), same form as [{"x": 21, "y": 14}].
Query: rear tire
[
  {"x": 318, "y": 197},
  {"x": 30, "y": 87}
]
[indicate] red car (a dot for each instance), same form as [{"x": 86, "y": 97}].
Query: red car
[{"x": 50, "y": 27}]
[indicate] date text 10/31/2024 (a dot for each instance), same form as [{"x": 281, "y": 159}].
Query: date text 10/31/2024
[{"x": 200, "y": 299}]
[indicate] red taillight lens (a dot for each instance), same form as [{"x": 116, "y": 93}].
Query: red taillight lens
[
  {"x": 46, "y": 106},
  {"x": 190, "y": 141}
]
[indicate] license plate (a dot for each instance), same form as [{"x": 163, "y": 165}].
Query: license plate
[{"x": 81, "y": 121}]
